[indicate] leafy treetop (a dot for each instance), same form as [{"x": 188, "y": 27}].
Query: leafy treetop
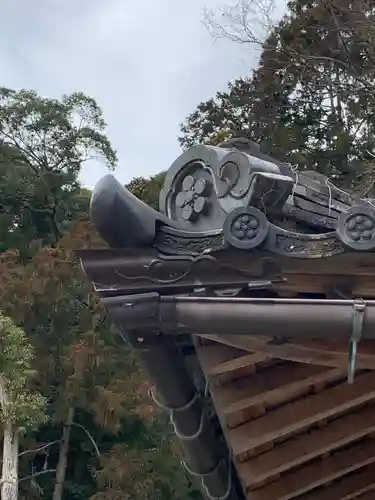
[
  {"x": 43, "y": 144},
  {"x": 19, "y": 406}
]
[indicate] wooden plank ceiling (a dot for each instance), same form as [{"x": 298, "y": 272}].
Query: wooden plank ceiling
[{"x": 296, "y": 428}]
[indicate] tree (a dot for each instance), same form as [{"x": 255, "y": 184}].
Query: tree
[
  {"x": 145, "y": 466},
  {"x": 98, "y": 403},
  {"x": 43, "y": 144},
  {"x": 79, "y": 357},
  {"x": 310, "y": 101},
  {"x": 89, "y": 375},
  {"x": 334, "y": 35},
  {"x": 222, "y": 117},
  {"x": 147, "y": 190},
  {"x": 20, "y": 409}
]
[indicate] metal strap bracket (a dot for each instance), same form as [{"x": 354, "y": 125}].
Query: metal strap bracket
[{"x": 359, "y": 306}]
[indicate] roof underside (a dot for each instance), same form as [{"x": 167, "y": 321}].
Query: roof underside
[{"x": 297, "y": 429}]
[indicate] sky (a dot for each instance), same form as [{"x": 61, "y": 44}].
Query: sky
[{"x": 147, "y": 63}]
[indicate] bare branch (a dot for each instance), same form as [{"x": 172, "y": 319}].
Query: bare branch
[
  {"x": 37, "y": 450},
  {"x": 245, "y": 22},
  {"x": 252, "y": 21},
  {"x": 89, "y": 436},
  {"x": 47, "y": 471}
]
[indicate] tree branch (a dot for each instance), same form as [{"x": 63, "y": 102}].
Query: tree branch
[
  {"x": 36, "y": 450},
  {"x": 89, "y": 436},
  {"x": 25, "y": 478}
]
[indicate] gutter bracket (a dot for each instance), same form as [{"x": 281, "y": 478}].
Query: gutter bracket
[{"x": 359, "y": 307}]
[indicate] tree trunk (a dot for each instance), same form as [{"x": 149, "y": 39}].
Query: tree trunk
[
  {"x": 9, "y": 475},
  {"x": 63, "y": 457}
]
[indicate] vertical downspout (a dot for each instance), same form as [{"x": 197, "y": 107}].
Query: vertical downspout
[{"x": 176, "y": 393}]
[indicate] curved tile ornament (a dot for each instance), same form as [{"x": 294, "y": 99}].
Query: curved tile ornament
[
  {"x": 246, "y": 228},
  {"x": 206, "y": 183},
  {"x": 191, "y": 200},
  {"x": 215, "y": 199},
  {"x": 356, "y": 228}
]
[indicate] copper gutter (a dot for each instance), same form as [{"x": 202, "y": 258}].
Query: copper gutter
[
  {"x": 292, "y": 318},
  {"x": 299, "y": 318},
  {"x": 288, "y": 318}
]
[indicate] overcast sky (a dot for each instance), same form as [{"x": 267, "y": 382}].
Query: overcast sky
[{"x": 147, "y": 63}]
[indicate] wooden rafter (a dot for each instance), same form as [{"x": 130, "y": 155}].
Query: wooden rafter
[
  {"x": 297, "y": 430},
  {"x": 305, "y": 447},
  {"x": 302, "y": 353}
]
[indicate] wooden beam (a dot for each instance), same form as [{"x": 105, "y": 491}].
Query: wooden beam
[
  {"x": 241, "y": 400},
  {"x": 305, "y": 447},
  {"x": 222, "y": 363},
  {"x": 367, "y": 346},
  {"x": 347, "y": 488},
  {"x": 283, "y": 394},
  {"x": 264, "y": 381},
  {"x": 295, "y": 352},
  {"x": 319, "y": 472},
  {"x": 367, "y": 493},
  {"x": 233, "y": 365},
  {"x": 216, "y": 354},
  {"x": 301, "y": 414}
]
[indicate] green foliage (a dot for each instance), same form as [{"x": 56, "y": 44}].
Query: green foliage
[
  {"x": 43, "y": 144},
  {"x": 80, "y": 361},
  {"x": 20, "y": 406},
  {"x": 58, "y": 135},
  {"x": 147, "y": 190},
  {"x": 310, "y": 101},
  {"x": 16, "y": 354},
  {"x": 152, "y": 457}
]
